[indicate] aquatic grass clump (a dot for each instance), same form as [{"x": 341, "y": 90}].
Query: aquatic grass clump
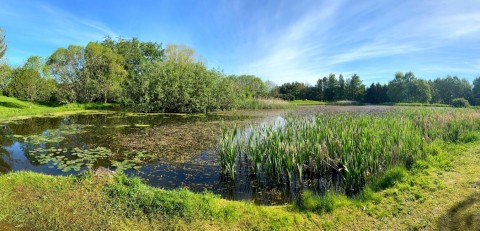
[
  {"x": 228, "y": 151},
  {"x": 357, "y": 148}
]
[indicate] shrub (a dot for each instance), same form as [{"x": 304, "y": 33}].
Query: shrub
[{"x": 460, "y": 102}]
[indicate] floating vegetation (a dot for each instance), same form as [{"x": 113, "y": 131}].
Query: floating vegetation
[
  {"x": 53, "y": 135},
  {"x": 74, "y": 159},
  {"x": 132, "y": 159}
]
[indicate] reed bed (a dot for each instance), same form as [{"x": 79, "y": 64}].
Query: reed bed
[{"x": 356, "y": 147}]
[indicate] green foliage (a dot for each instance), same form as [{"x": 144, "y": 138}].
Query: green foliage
[
  {"x": 355, "y": 88},
  {"x": 407, "y": 88},
  {"x": 318, "y": 203},
  {"x": 476, "y": 91},
  {"x": 5, "y": 76},
  {"x": 460, "y": 102},
  {"x": 252, "y": 86},
  {"x": 391, "y": 177},
  {"x": 66, "y": 67},
  {"x": 449, "y": 88},
  {"x": 292, "y": 91},
  {"x": 103, "y": 73},
  {"x": 28, "y": 83},
  {"x": 357, "y": 147},
  {"x": 377, "y": 94}
]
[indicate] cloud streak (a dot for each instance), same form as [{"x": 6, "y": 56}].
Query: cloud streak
[
  {"x": 30, "y": 24},
  {"x": 340, "y": 37}
]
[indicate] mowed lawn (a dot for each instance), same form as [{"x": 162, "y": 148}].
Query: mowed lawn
[{"x": 13, "y": 108}]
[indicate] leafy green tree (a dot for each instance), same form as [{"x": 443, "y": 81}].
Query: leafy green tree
[
  {"x": 355, "y": 89},
  {"x": 398, "y": 88},
  {"x": 103, "y": 72},
  {"x": 320, "y": 89},
  {"x": 5, "y": 76},
  {"x": 140, "y": 59},
  {"x": 292, "y": 91},
  {"x": 66, "y": 66},
  {"x": 476, "y": 91},
  {"x": 252, "y": 86},
  {"x": 450, "y": 88},
  {"x": 376, "y": 94},
  {"x": 31, "y": 82},
  {"x": 419, "y": 91},
  {"x": 341, "y": 88},
  {"x": 228, "y": 93},
  {"x": 330, "y": 89}
]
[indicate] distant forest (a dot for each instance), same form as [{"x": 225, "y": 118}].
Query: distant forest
[
  {"x": 404, "y": 88},
  {"x": 144, "y": 76}
]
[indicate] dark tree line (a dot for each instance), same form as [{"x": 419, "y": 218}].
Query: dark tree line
[{"x": 404, "y": 88}]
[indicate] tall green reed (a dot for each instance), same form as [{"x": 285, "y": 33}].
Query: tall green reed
[{"x": 357, "y": 147}]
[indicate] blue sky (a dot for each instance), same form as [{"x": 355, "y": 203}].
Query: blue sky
[{"x": 277, "y": 40}]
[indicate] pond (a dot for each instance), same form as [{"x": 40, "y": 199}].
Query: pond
[{"x": 166, "y": 150}]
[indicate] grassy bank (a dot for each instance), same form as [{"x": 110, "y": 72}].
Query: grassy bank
[
  {"x": 12, "y": 108},
  {"x": 440, "y": 192}
]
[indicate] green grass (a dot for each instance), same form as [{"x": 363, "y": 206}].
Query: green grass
[
  {"x": 307, "y": 102},
  {"x": 11, "y": 108}
]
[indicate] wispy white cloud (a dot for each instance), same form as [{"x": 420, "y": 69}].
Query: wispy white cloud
[
  {"x": 29, "y": 24},
  {"x": 339, "y": 36}
]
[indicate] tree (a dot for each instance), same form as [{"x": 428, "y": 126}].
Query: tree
[
  {"x": 376, "y": 94},
  {"x": 5, "y": 76},
  {"x": 397, "y": 88},
  {"x": 30, "y": 82},
  {"x": 320, "y": 90},
  {"x": 476, "y": 91},
  {"x": 419, "y": 91},
  {"x": 292, "y": 91},
  {"x": 66, "y": 66},
  {"x": 104, "y": 73},
  {"x": 450, "y": 88},
  {"x": 3, "y": 46},
  {"x": 356, "y": 90},
  {"x": 341, "y": 88},
  {"x": 139, "y": 60},
  {"x": 330, "y": 88},
  {"x": 252, "y": 86}
]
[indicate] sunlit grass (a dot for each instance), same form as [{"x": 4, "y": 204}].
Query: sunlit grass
[{"x": 14, "y": 108}]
